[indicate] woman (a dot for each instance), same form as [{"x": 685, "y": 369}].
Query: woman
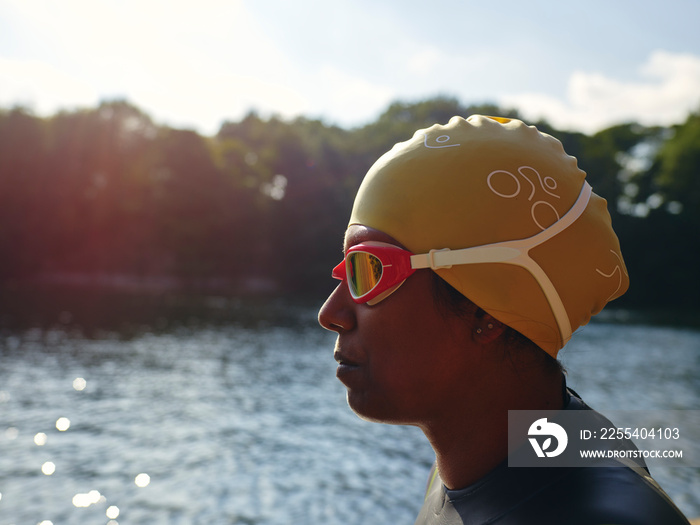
[{"x": 474, "y": 251}]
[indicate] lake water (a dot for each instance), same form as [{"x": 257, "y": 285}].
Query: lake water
[{"x": 243, "y": 421}]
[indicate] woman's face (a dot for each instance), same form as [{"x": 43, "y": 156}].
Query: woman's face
[{"x": 403, "y": 360}]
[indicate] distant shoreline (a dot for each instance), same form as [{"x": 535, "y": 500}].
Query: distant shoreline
[{"x": 54, "y": 294}]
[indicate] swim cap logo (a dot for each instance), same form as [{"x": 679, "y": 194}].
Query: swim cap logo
[
  {"x": 616, "y": 270},
  {"x": 441, "y": 142},
  {"x": 542, "y": 427},
  {"x": 504, "y": 180}
]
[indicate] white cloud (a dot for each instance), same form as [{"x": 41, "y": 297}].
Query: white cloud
[
  {"x": 424, "y": 62},
  {"x": 668, "y": 89},
  {"x": 185, "y": 64},
  {"x": 350, "y": 99},
  {"x": 204, "y": 104},
  {"x": 41, "y": 87}
]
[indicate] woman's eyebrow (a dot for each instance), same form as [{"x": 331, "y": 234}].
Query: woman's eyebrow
[{"x": 346, "y": 242}]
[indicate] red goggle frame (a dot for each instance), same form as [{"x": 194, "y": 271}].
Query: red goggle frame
[{"x": 373, "y": 268}]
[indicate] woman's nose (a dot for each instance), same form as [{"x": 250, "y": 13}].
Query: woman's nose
[{"x": 338, "y": 312}]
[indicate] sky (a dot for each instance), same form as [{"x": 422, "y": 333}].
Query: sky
[{"x": 193, "y": 64}]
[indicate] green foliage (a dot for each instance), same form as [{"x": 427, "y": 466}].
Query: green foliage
[
  {"x": 264, "y": 203},
  {"x": 664, "y": 242},
  {"x": 676, "y": 173},
  {"x": 22, "y": 191}
]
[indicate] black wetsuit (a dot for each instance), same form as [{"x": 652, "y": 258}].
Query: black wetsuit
[{"x": 615, "y": 495}]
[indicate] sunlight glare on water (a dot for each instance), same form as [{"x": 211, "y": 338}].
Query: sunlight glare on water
[
  {"x": 63, "y": 424},
  {"x": 91, "y": 498},
  {"x": 142, "y": 480},
  {"x": 112, "y": 512}
]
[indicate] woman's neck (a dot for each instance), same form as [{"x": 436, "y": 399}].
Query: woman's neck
[{"x": 473, "y": 440}]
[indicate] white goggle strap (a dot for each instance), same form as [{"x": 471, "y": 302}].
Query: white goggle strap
[{"x": 515, "y": 252}]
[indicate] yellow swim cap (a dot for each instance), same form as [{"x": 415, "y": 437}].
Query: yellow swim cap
[{"x": 483, "y": 181}]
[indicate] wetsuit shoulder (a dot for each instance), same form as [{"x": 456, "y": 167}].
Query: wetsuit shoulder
[{"x": 598, "y": 495}]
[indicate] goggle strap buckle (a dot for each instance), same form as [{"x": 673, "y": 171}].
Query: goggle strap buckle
[
  {"x": 427, "y": 260},
  {"x": 431, "y": 259}
]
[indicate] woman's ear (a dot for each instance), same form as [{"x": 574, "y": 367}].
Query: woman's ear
[{"x": 487, "y": 329}]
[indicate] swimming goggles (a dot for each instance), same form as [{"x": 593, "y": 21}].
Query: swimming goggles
[{"x": 374, "y": 270}]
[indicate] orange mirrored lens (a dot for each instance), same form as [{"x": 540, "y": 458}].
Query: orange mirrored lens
[{"x": 364, "y": 272}]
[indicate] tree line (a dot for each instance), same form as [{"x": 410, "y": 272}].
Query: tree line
[{"x": 262, "y": 205}]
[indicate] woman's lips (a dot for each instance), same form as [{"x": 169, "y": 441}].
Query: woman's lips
[
  {"x": 346, "y": 367},
  {"x": 344, "y": 357}
]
